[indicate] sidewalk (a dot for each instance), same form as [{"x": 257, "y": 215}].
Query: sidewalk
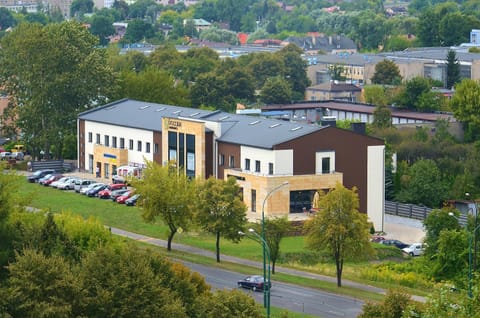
[{"x": 236, "y": 260}]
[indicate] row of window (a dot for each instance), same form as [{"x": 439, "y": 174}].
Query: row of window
[
  {"x": 231, "y": 164},
  {"x": 121, "y": 145}
]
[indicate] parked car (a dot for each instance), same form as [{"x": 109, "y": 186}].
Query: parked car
[
  {"x": 94, "y": 191},
  {"x": 377, "y": 239},
  {"x": 122, "y": 198},
  {"x": 6, "y": 155},
  {"x": 39, "y": 174},
  {"x": 82, "y": 183},
  {"x": 17, "y": 155},
  {"x": 396, "y": 243},
  {"x": 105, "y": 193},
  {"x": 132, "y": 200},
  {"x": 89, "y": 187},
  {"x": 124, "y": 172},
  {"x": 416, "y": 249},
  {"x": 254, "y": 282},
  {"x": 51, "y": 179},
  {"x": 116, "y": 193},
  {"x": 68, "y": 184},
  {"x": 59, "y": 181},
  {"x": 44, "y": 178}
]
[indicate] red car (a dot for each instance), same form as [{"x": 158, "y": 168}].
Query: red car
[
  {"x": 105, "y": 194},
  {"x": 121, "y": 199},
  {"x": 52, "y": 178}
]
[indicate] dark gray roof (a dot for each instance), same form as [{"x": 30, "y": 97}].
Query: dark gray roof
[
  {"x": 236, "y": 129},
  {"x": 327, "y": 43},
  {"x": 431, "y": 54},
  {"x": 335, "y": 87}
]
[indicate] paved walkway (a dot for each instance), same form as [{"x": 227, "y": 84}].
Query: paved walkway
[{"x": 236, "y": 260}]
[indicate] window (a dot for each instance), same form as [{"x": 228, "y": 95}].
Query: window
[
  {"x": 90, "y": 137},
  {"x": 130, "y": 144},
  {"x": 247, "y": 164},
  {"x": 231, "y": 162},
  {"x": 107, "y": 140},
  {"x": 254, "y": 201},
  {"x": 257, "y": 165},
  {"x": 326, "y": 165},
  {"x": 147, "y": 147},
  {"x": 122, "y": 143},
  {"x": 221, "y": 159},
  {"x": 270, "y": 168},
  {"x": 114, "y": 142},
  {"x": 155, "y": 148},
  {"x": 139, "y": 145},
  {"x": 98, "y": 138}
]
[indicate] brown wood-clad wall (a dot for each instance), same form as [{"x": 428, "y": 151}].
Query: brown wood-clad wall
[{"x": 228, "y": 150}]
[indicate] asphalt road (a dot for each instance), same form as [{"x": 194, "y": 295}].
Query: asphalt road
[{"x": 287, "y": 296}]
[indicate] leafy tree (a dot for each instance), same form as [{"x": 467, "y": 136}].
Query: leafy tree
[
  {"x": 465, "y": 104},
  {"x": 397, "y": 43},
  {"x": 336, "y": 72},
  {"x": 453, "y": 69},
  {"x": 428, "y": 28},
  {"x": 375, "y": 95},
  {"x": 6, "y": 19},
  {"x": 413, "y": 89},
  {"x": 338, "y": 228},
  {"x": 275, "y": 230},
  {"x": 140, "y": 8},
  {"x": 393, "y": 306},
  {"x": 166, "y": 58},
  {"x": 153, "y": 85},
  {"x": 382, "y": 117},
  {"x": 210, "y": 90},
  {"x": 102, "y": 27},
  {"x": 450, "y": 262},
  {"x": 295, "y": 69},
  {"x": 220, "y": 210},
  {"x": 215, "y": 34},
  {"x": 166, "y": 195},
  {"x": 78, "y": 8},
  {"x": 198, "y": 61},
  {"x": 239, "y": 83},
  {"x": 265, "y": 65},
  {"x": 437, "y": 221},
  {"x": 226, "y": 304},
  {"x": 276, "y": 91},
  {"x": 52, "y": 73},
  {"x": 454, "y": 28},
  {"x": 387, "y": 73},
  {"x": 10, "y": 200},
  {"x": 137, "y": 30}
]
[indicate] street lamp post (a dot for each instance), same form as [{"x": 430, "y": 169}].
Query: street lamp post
[
  {"x": 266, "y": 278},
  {"x": 266, "y": 294}
]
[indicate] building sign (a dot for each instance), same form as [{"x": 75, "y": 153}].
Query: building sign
[
  {"x": 174, "y": 124},
  {"x": 107, "y": 155}
]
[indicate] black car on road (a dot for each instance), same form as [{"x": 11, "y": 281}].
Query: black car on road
[
  {"x": 39, "y": 174},
  {"x": 253, "y": 282},
  {"x": 94, "y": 191},
  {"x": 395, "y": 243}
]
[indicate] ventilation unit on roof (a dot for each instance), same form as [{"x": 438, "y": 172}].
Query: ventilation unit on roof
[
  {"x": 274, "y": 125},
  {"x": 296, "y": 128},
  {"x": 194, "y": 114},
  {"x": 160, "y": 109},
  {"x": 254, "y": 122},
  {"x": 177, "y": 112},
  {"x": 224, "y": 117},
  {"x": 144, "y": 107},
  {"x": 110, "y": 107}
]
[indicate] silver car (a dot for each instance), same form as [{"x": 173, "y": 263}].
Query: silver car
[{"x": 82, "y": 183}]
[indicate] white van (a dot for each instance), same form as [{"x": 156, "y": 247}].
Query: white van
[{"x": 124, "y": 172}]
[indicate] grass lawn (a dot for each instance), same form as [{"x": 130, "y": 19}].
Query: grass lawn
[{"x": 130, "y": 219}]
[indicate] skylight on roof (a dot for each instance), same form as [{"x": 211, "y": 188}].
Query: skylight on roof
[
  {"x": 296, "y": 128},
  {"x": 110, "y": 107},
  {"x": 194, "y": 114},
  {"x": 177, "y": 112},
  {"x": 223, "y": 118},
  {"x": 144, "y": 107},
  {"x": 274, "y": 125},
  {"x": 254, "y": 122},
  {"x": 160, "y": 109}
]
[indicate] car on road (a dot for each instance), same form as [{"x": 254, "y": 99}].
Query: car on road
[
  {"x": 116, "y": 193},
  {"x": 51, "y": 179},
  {"x": 82, "y": 183},
  {"x": 377, "y": 239},
  {"x": 416, "y": 249},
  {"x": 59, "y": 181},
  {"x": 90, "y": 187},
  {"x": 396, "y": 243},
  {"x": 253, "y": 282},
  {"x": 105, "y": 193},
  {"x": 39, "y": 174},
  {"x": 68, "y": 184},
  {"x": 17, "y": 155},
  {"x": 132, "y": 200},
  {"x": 6, "y": 155}
]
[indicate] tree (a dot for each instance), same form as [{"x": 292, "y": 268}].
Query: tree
[
  {"x": 167, "y": 195},
  {"x": 226, "y": 304},
  {"x": 10, "y": 200},
  {"x": 386, "y": 73},
  {"x": 394, "y": 305},
  {"x": 465, "y": 104},
  {"x": 414, "y": 88},
  {"x": 382, "y": 117},
  {"x": 295, "y": 69},
  {"x": 265, "y": 65},
  {"x": 275, "y": 230},
  {"x": 437, "y": 221},
  {"x": 454, "y": 28},
  {"x": 51, "y": 74},
  {"x": 137, "y": 30},
  {"x": 276, "y": 91},
  {"x": 428, "y": 28},
  {"x": 453, "y": 69},
  {"x": 102, "y": 27},
  {"x": 79, "y": 7},
  {"x": 220, "y": 210},
  {"x": 6, "y": 19},
  {"x": 338, "y": 228},
  {"x": 375, "y": 95},
  {"x": 336, "y": 72}
]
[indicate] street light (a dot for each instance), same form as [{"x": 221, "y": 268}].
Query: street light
[
  {"x": 470, "y": 238},
  {"x": 266, "y": 302},
  {"x": 266, "y": 278},
  {"x": 474, "y": 232}
]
